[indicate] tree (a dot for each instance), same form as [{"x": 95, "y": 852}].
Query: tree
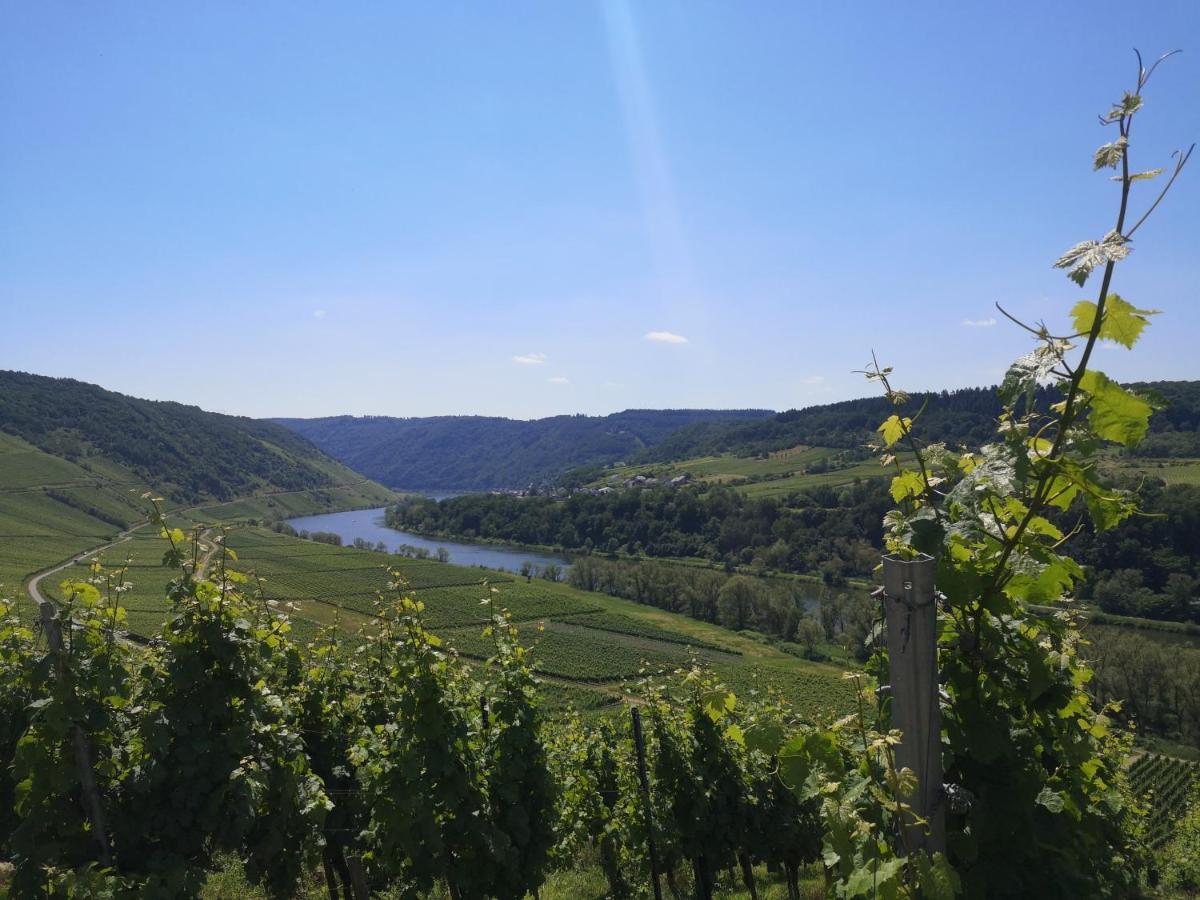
[
  {"x": 808, "y": 635},
  {"x": 736, "y": 602}
]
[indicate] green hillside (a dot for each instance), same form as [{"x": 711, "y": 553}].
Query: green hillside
[
  {"x": 769, "y": 474},
  {"x": 188, "y": 454},
  {"x": 964, "y": 416},
  {"x": 67, "y": 483}
]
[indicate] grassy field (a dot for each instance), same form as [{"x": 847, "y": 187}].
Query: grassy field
[
  {"x": 790, "y": 470},
  {"x": 778, "y": 474},
  {"x": 1172, "y": 471}
]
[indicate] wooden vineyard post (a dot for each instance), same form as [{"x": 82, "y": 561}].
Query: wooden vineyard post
[
  {"x": 644, "y": 781},
  {"x": 910, "y": 609},
  {"x": 83, "y": 751}
]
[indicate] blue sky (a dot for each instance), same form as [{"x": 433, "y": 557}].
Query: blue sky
[{"x": 310, "y": 209}]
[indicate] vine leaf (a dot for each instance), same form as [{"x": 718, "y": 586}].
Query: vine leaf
[
  {"x": 1123, "y": 322},
  {"x": 875, "y": 879},
  {"x": 1140, "y": 176},
  {"x": 1117, "y": 415},
  {"x": 804, "y": 752},
  {"x": 1025, "y": 373},
  {"x": 907, "y": 484},
  {"x": 1085, "y": 256},
  {"x": 1110, "y": 154},
  {"x": 938, "y": 880},
  {"x": 717, "y": 703},
  {"x": 1051, "y": 800},
  {"x": 893, "y": 429},
  {"x": 1128, "y": 105},
  {"x": 1036, "y": 582}
]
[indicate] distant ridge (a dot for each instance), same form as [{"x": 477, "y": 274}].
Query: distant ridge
[
  {"x": 962, "y": 416},
  {"x": 484, "y": 452}
]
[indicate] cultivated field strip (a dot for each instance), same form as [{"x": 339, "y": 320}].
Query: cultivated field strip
[
  {"x": 619, "y": 624},
  {"x": 566, "y": 653},
  {"x": 1163, "y": 783}
]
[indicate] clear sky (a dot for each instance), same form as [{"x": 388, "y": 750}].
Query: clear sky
[{"x": 410, "y": 209}]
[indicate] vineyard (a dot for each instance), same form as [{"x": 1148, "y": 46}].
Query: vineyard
[
  {"x": 52, "y": 508},
  {"x": 1163, "y": 784},
  {"x": 582, "y": 638}
]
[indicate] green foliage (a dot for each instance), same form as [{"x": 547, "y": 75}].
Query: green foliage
[
  {"x": 1123, "y": 322},
  {"x": 218, "y": 717},
  {"x": 520, "y": 788},
  {"x": 1179, "y": 861},
  {"x": 1164, "y": 785},
  {"x": 16, "y": 651},
  {"x": 1050, "y": 803},
  {"x": 719, "y": 793},
  {"x": 1115, "y": 413},
  {"x": 823, "y": 529},
  {"x": 1157, "y": 684},
  {"x": 421, "y": 767},
  {"x": 599, "y": 802},
  {"x": 70, "y": 755}
]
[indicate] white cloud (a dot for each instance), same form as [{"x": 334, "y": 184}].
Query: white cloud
[
  {"x": 318, "y": 313},
  {"x": 814, "y": 379},
  {"x": 558, "y": 379},
  {"x": 1109, "y": 345},
  {"x": 530, "y": 359},
  {"x": 664, "y": 337},
  {"x": 978, "y": 323}
]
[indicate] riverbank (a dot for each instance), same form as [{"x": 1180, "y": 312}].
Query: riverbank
[{"x": 623, "y": 556}]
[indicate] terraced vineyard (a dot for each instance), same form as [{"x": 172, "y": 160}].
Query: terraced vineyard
[
  {"x": 590, "y": 647},
  {"x": 43, "y": 509},
  {"x": 1163, "y": 782},
  {"x": 53, "y": 508}
]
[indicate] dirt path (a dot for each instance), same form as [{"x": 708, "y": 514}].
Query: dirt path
[{"x": 34, "y": 583}]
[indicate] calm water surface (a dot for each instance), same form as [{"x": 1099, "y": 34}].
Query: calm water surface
[{"x": 368, "y": 525}]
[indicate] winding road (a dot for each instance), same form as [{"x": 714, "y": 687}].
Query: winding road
[{"x": 34, "y": 583}]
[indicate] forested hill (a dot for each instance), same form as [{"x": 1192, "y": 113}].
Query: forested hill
[
  {"x": 185, "y": 452},
  {"x": 965, "y": 416},
  {"x": 481, "y": 452}
]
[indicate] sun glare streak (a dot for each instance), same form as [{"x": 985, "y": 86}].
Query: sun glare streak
[{"x": 664, "y": 229}]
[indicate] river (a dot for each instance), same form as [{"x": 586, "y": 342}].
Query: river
[{"x": 368, "y": 525}]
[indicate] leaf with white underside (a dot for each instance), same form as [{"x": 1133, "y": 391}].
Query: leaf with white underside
[
  {"x": 1140, "y": 176},
  {"x": 1110, "y": 155},
  {"x": 1129, "y": 104},
  {"x": 1081, "y": 259}
]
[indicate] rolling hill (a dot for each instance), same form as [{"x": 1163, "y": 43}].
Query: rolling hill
[
  {"x": 483, "y": 452},
  {"x": 183, "y": 451},
  {"x": 75, "y": 460}
]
